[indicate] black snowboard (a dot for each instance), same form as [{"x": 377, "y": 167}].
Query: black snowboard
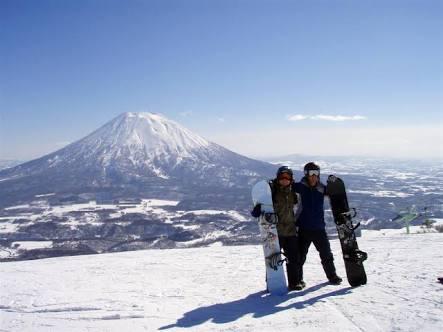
[{"x": 353, "y": 257}]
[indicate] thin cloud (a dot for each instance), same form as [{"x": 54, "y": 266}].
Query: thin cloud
[
  {"x": 336, "y": 118},
  {"x": 297, "y": 117}
]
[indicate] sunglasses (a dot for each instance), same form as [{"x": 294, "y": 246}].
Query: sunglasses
[{"x": 313, "y": 172}]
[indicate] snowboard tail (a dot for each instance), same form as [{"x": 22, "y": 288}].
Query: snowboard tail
[{"x": 353, "y": 257}]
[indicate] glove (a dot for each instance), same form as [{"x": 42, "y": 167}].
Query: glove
[{"x": 256, "y": 212}]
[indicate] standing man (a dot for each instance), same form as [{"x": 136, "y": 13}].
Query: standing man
[
  {"x": 311, "y": 222},
  {"x": 284, "y": 198}
]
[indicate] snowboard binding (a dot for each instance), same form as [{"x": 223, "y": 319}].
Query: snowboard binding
[
  {"x": 352, "y": 213},
  {"x": 356, "y": 256},
  {"x": 275, "y": 260},
  {"x": 270, "y": 217}
]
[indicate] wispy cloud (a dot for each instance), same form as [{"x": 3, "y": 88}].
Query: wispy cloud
[
  {"x": 300, "y": 117},
  {"x": 297, "y": 117},
  {"x": 220, "y": 119},
  {"x": 338, "y": 117}
]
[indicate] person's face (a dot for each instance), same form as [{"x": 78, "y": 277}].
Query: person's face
[
  {"x": 284, "y": 179},
  {"x": 313, "y": 177}
]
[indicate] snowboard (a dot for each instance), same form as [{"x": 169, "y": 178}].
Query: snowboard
[
  {"x": 267, "y": 222},
  {"x": 352, "y": 255}
]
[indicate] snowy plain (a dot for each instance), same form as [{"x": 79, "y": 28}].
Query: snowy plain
[{"x": 220, "y": 288}]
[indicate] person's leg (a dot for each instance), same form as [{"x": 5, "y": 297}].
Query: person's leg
[
  {"x": 321, "y": 243},
  {"x": 304, "y": 241},
  {"x": 291, "y": 251}
]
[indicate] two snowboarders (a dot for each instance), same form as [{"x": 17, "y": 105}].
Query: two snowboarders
[{"x": 296, "y": 233}]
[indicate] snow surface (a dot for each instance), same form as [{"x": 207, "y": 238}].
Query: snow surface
[{"x": 221, "y": 289}]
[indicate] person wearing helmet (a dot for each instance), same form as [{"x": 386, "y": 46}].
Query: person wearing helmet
[
  {"x": 284, "y": 198},
  {"x": 311, "y": 222}
]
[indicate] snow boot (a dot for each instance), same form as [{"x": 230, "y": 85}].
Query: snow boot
[
  {"x": 335, "y": 280},
  {"x": 298, "y": 286}
]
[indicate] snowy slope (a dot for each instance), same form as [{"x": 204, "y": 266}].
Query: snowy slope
[
  {"x": 221, "y": 288},
  {"x": 9, "y": 163}
]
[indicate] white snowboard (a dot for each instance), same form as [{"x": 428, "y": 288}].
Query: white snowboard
[{"x": 275, "y": 277}]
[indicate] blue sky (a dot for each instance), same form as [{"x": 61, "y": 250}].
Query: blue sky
[{"x": 235, "y": 72}]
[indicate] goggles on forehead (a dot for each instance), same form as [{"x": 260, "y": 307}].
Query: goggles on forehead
[{"x": 313, "y": 172}]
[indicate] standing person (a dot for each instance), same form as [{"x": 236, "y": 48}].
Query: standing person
[
  {"x": 311, "y": 222},
  {"x": 284, "y": 198}
]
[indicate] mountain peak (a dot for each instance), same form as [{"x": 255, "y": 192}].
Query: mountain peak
[
  {"x": 150, "y": 116},
  {"x": 155, "y": 134}
]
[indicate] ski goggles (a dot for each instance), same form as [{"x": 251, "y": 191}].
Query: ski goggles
[{"x": 313, "y": 172}]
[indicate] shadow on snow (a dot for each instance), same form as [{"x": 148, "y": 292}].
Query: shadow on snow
[{"x": 259, "y": 304}]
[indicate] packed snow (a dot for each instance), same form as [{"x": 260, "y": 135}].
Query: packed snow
[{"x": 220, "y": 288}]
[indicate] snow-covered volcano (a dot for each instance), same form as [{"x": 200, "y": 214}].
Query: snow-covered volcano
[
  {"x": 135, "y": 154},
  {"x": 137, "y": 142}
]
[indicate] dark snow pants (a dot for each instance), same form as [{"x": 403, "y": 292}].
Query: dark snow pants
[
  {"x": 321, "y": 243},
  {"x": 291, "y": 250}
]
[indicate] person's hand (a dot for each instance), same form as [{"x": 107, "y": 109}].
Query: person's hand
[{"x": 256, "y": 211}]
